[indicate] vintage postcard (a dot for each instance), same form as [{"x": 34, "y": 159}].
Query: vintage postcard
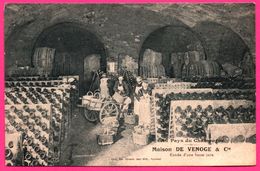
[{"x": 130, "y": 84}]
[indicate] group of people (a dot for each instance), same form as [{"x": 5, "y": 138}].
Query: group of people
[{"x": 124, "y": 94}]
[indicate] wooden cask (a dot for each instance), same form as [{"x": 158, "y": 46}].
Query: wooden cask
[
  {"x": 151, "y": 57},
  {"x": 43, "y": 58}
]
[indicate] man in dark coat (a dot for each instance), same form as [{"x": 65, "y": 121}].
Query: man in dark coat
[
  {"x": 121, "y": 87},
  {"x": 122, "y": 94}
]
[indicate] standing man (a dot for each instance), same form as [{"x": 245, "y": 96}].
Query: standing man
[
  {"x": 104, "y": 90},
  {"x": 137, "y": 88},
  {"x": 145, "y": 111},
  {"x": 122, "y": 94}
]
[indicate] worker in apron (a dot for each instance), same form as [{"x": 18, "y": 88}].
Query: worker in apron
[
  {"x": 145, "y": 103},
  {"x": 136, "y": 95},
  {"x": 104, "y": 90}
]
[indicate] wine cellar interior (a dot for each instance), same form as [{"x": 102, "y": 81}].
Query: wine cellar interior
[{"x": 56, "y": 57}]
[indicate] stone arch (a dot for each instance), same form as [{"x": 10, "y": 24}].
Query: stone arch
[
  {"x": 15, "y": 41},
  {"x": 171, "y": 39},
  {"x": 226, "y": 47},
  {"x": 73, "y": 43},
  {"x": 222, "y": 43}
]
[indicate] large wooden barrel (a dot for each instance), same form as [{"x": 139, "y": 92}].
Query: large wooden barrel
[
  {"x": 177, "y": 61},
  {"x": 204, "y": 69},
  {"x": 43, "y": 59},
  {"x": 231, "y": 70},
  {"x": 152, "y": 71},
  {"x": 216, "y": 68},
  {"x": 195, "y": 56},
  {"x": 91, "y": 64},
  {"x": 196, "y": 69},
  {"x": 212, "y": 68},
  {"x": 208, "y": 71},
  {"x": 151, "y": 57}
]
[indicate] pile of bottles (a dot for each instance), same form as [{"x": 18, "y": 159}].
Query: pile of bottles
[{"x": 193, "y": 122}]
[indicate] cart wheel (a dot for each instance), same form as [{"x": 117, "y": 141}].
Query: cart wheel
[
  {"x": 108, "y": 110},
  {"x": 91, "y": 115}
]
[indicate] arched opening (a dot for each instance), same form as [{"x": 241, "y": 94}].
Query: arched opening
[
  {"x": 18, "y": 46},
  {"x": 77, "y": 51},
  {"x": 171, "y": 41},
  {"x": 224, "y": 45}
]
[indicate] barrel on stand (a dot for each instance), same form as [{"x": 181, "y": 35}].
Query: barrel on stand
[
  {"x": 43, "y": 60},
  {"x": 204, "y": 69}
]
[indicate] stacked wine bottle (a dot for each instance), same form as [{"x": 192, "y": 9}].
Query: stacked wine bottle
[
  {"x": 222, "y": 83},
  {"x": 163, "y": 102},
  {"x": 13, "y": 152},
  {"x": 26, "y": 100},
  {"x": 33, "y": 121},
  {"x": 193, "y": 122}
]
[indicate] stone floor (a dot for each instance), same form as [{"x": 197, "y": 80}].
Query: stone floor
[{"x": 81, "y": 148}]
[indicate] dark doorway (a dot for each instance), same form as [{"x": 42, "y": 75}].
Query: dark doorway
[{"x": 73, "y": 44}]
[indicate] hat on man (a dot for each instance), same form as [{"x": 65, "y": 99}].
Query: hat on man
[
  {"x": 138, "y": 79},
  {"x": 121, "y": 77},
  {"x": 104, "y": 75}
]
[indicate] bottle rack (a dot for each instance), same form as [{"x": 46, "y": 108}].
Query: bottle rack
[
  {"x": 207, "y": 93},
  {"x": 33, "y": 121},
  {"x": 13, "y": 150},
  {"x": 40, "y": 78},
  {"x": 51, "y": 83},
  {"x": 174, "y": 85},
  {"x": 162, "y": 98},
  {"x": 37, "y": 91},
  {"x": 206, "y": 112},
  {"x": 39, "y": 81},
  {"x": 59, "y": 103},
  {"x": 153, "y": 115}
]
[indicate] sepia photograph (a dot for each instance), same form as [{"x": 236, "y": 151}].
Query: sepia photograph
[{"x": 130, "y": 84}]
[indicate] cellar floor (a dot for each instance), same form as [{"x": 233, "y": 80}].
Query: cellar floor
[{"x": 80, "y": 148}]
